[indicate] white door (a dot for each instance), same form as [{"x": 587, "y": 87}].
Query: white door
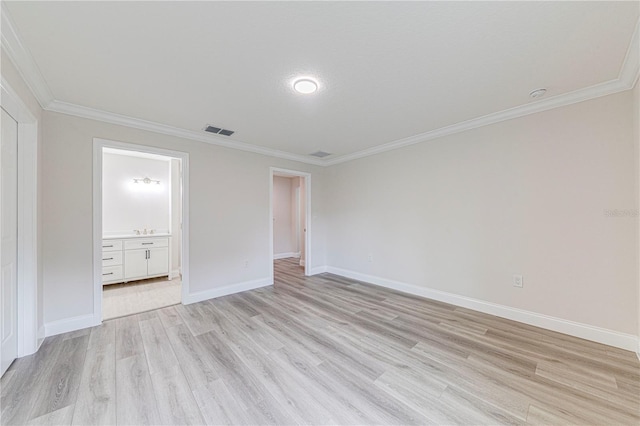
[
  {"x": 135, "y": 264},
  {"x": 158, "y": 261},
  {"x": 9, "y": 236}
]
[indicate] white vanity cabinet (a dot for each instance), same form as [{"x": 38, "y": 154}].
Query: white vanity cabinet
[
  {"x": 146, "y": 257},
  {"x": 112, "y": 266},
  {"x": 135, "y": 258}
]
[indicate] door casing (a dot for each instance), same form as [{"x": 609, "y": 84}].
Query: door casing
[{"x": 30, "y": 322}]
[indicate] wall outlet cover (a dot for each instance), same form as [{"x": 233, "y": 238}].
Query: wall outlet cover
[{"x": 517, "y": 281}]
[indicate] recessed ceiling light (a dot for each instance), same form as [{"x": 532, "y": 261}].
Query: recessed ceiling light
[
  {"x": 538, "y": 93},
  {"x": 305, "y": 86}
]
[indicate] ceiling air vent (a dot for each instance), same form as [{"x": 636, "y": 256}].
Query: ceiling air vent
[
  {"x": 321, "y": 154},
  {"x": 218, "y": 130}
]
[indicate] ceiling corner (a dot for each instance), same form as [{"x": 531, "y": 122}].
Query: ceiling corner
[
  {"x": 631, "y": 66},
  {"x": 23, "y": 60}
]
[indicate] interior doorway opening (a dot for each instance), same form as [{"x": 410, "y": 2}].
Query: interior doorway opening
[
  {"x": 140, "y": 234},
  {"x": 290, "y": 218},
  {"x": 141, "y": 238}
]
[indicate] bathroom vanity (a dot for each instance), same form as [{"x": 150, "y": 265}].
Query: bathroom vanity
[{"x": 135, "y": 257}]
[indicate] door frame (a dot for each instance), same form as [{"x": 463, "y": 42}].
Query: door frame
[
  {"x": 98, "y": 145},
  {"x": 29, "y": 333},
  {"x": 275, "y": 171}
]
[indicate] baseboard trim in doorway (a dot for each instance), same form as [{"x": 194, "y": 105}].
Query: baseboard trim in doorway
[
  {"x": 41, "y": 336},
  {"x": 318, "y": 270},
  {"x": 226, "y": 290},
  {"x": 572, "y": 328},
  {"x": 54, "y": 328},
  {"x": 285, "y": 255}
]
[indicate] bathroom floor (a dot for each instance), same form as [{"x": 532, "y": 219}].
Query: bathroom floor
[{"x": 119, "y": 300}]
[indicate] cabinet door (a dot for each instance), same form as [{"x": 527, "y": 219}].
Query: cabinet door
[
  {"x": 158, "y": 261},
  {"x": 135, "y": 264}
]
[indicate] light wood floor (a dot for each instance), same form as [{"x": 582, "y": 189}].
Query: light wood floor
[
  {"x": 119, "y": 300},
  {"x": 320, "y": 350}
]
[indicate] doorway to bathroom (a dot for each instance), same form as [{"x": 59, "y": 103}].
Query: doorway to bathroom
[{"x": 141, "y": 230}]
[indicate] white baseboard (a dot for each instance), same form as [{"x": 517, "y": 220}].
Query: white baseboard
[
  {"x": 584, "y": 331},
  {"x": 224, "y": 291},
  {"x": 174, "y": 273},
  {"x": 318, "y": 270},
  {"x": 70, "y": 324},
  {"x": 285, "y": 255},
  {"x": 302, "y": 262},
  {"x": 40, "y": 338}
]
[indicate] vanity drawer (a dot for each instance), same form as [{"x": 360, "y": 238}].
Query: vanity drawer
[
  {"x": 112, "y": 273},
  {"x": 143, "y": 243},
  {"x": 111, "y": 245},
  {"x": 111, "y": 258}
]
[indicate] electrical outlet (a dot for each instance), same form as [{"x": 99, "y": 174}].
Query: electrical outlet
[
  {"x": 245, "y": 264},
  {"x": 369, "y": 258},
  {"x": 517, "y": 281}
]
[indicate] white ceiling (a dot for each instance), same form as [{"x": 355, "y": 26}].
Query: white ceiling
[{"x": 387, "y": 70}]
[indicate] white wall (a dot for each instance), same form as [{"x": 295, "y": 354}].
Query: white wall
[
  {"x": 126, "y": 205},
  {"x": 463, "y": 213},
  {"x": 229, "y": 211},
  {"x": 284, "y": 239}
]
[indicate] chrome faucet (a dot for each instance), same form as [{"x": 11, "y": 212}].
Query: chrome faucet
[{"x": 136, "y": 231}]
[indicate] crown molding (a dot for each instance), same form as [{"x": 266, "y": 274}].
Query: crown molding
[
  {"x": 629, "y": 74},
  {"x": 28, "y": 69},
  {"x": 151, "y": 126},
  {"x": 630, "y": 70},
  {"x": 592, "y": 92},
  {"x": 22, "y": 59}
]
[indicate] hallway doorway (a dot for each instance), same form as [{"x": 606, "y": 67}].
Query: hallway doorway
[{"x": 290, "y": 217}]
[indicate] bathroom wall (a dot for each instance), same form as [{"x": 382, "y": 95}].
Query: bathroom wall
[{"x": 127, "y": 205}]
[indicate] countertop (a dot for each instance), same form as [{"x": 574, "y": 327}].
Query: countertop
[{"x": 127, "y": 236}]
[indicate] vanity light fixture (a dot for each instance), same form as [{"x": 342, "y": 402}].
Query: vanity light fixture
[{"x": 146, "y": 180}]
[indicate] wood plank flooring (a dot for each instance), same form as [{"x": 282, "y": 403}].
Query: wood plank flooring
[{"x": 320, "y": 350}]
